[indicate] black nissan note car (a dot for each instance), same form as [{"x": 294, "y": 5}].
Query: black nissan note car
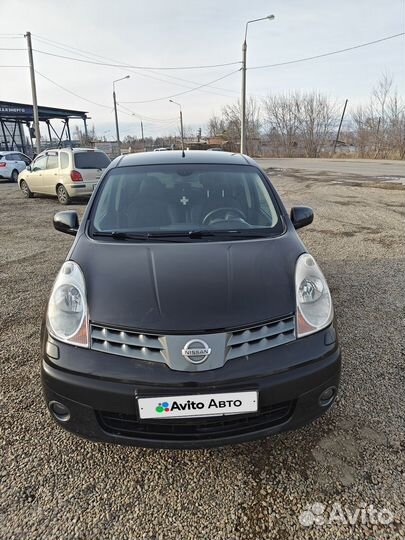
[{"x": 188, "y": 312}]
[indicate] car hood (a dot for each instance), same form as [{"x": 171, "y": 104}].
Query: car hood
[{"x": 190, "y": 287}]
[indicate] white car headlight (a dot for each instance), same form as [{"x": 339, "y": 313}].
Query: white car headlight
[
  {"x": 314, "y": 302},
  {"x": 67, "y": 316}
]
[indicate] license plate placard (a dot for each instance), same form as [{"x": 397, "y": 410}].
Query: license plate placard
[{"x": 198, "y": 405}]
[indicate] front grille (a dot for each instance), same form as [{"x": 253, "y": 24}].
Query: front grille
[
  {"x": 261, "y": 338},
  {"x": 194, "y": 429},
  {"x": 126, "y": 343},
  {"x": 243, "y": 342}
]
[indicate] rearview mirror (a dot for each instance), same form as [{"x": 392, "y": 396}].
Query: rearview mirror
[
  {"x": 66, "y": 222},
  {"x": 301, "y": 216},
  {"x": 28, "y": 167}
]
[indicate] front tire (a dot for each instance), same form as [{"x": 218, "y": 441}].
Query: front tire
[
  {"x": 26, "y": 190},
  {"x": 14, "y": 176},
  {"x": 63, "y": 195}
]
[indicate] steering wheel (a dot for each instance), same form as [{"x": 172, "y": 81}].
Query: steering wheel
[{"x": 228, "y": 214}]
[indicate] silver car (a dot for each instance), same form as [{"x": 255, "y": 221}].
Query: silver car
[
  {"x": 65, "y": 173},
  {"x": 12, "y": 163}
]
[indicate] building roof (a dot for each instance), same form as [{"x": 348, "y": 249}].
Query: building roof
[
  {"x": 24, "y": 112},
  {"x": 175, "y": 156}
]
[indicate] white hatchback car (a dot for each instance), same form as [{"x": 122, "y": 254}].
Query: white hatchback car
[
  {"x": 12, "y": 163},
  {"x": 65, "y": 172}
]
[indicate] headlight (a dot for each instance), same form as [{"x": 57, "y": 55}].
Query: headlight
[
  {"x": 67, "y": 316},
  {"x": 314, "y": 303}
]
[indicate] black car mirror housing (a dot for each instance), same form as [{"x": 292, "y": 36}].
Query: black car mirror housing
[
  {"x": 66, "y": 222},
  {"x": 301, "y": 216}
]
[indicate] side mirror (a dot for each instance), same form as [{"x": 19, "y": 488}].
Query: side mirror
[
  {"x": 301, "y": 216},
  {"x": 28, "y": 168},
  {"x": 66, "y": 222}
]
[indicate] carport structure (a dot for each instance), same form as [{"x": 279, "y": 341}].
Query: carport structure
[{"x": 15, "y": 116}]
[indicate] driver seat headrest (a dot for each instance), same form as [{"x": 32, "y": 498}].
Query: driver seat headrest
[{"x": 151, "y": 187}]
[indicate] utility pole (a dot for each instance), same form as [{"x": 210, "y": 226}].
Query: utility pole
[
  {"x": 340, "y": 126},
  {"x": 243, "y": 104},
  {"x": 143, "y": 138},
  {"x": 117, "y": 129},
  {"x": 34, "y": 94}
]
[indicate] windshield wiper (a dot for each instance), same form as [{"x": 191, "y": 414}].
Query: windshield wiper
[
  {"x": 119, "y": 235},
  {"x": 167, "y": 235}
]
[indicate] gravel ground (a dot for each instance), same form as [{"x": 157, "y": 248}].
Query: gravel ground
[{"x": 57, "y": 486}]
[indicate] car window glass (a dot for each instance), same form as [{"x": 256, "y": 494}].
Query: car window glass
[
  {"x": 90, "y": 159},
  {"x": 184, "y": 198},
  {"x": 52, "y": 162},
  {"x": 39, "y": 164},
  {"x": 11, "y": 157},
  {"x": 64, "y": 160}
]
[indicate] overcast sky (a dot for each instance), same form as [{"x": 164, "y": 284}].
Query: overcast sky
[{"x": 163, "y": 33}]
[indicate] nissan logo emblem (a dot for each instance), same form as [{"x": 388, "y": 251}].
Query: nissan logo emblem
[{"x": 196, "y": 351}]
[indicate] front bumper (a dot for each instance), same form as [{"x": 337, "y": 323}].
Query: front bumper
[{"x": 100, "y": 391}]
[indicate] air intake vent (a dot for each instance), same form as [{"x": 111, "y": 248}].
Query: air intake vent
[
  {"x": 126, "y": 343},
  {"x": 260, "y": 338}
]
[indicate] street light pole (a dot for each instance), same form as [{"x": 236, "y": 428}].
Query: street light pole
[
  {"x": 117, "y": 130},
  {"x": 243, "y": 97},
  {"x": 181, "y": 125}
]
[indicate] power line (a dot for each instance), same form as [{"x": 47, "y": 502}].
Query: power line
[
  {"x": 146, "y": 101},
  {"x": 329, "y": 53},
  {"x": 87, "y": 53},
  {"x": 134, "y": 67},
  {"x": 70, "y": 92},
  {"x": 148, "y": 118},
  {"x": 132, "y": 113},
  {"x": 186, "y": 91},
  {"x": 188, "y": 81},
  {"x": 67, "y": 47}
]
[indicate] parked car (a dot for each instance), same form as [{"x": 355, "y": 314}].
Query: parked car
[
  {"x": 65, "y": 173},
  {"x": 12, "y": 163},
  {"x": 188, "y": 312}
]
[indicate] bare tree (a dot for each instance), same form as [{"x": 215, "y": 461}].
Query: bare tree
[
  {"x": 81, "y": 136},
  {"x": 317, "y": 119},
  {"x": 300, "y": 124},
  {"x": 231, "y": 115},
  {"x": 282, "y": 122},
  {"x": 216, "y": 126},
  {"x": 380, "y": 124}
]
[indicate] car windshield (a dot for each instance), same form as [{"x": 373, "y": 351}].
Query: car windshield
[
  {"x": 185, "y": 200},
  {"x": 91, "y": 160}
]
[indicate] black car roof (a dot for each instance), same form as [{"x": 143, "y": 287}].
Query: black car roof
[{"x": 190, "y": 156}]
